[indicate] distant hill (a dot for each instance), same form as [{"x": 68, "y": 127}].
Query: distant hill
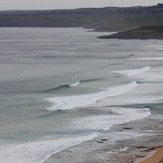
[
  {"x": 146, "y": 32},
  {"x": 102, "y": 19}
]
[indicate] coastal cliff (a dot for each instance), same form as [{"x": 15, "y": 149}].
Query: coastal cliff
[{"x": 145, "y": 32}]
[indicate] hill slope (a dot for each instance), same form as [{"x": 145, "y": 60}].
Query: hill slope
[
  {"x": 104, "y": 19},
  {"x": 146, "y": 32}
]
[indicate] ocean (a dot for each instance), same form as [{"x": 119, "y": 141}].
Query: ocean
[{"x": 60, "y": 87}]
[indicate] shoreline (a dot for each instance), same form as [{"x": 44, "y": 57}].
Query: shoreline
[
  {"x": 155, "y": 156},
  {"x": 136, "y": 141}
]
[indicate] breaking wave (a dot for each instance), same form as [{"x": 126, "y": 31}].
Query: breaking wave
[
  {"x": 149, "y": 59},
  {"x": 104, "y": 122},
  {"x": 71, "y": 102},
  {"x": 73, "y": 84},
  {"x": 132, "y": 72},
  {"x": 40, "y": 151},
  {"x": 69, "y": 85}
]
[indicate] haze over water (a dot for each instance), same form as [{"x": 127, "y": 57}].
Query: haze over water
[{"x": 62, "y": 86}]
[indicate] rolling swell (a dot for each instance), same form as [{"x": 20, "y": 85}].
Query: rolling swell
[{"x": 70, "y": 85}]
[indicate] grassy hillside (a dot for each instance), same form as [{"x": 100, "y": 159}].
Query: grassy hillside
[{"x": 108, "y": 19}]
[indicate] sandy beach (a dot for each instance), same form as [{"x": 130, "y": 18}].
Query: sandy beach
[{"x": 155, "y": 156}]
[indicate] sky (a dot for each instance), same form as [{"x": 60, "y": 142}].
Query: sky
[{"x": 67, "y": 4}]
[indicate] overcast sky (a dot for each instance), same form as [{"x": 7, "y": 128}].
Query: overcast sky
[{"x": 65, "y": 4}]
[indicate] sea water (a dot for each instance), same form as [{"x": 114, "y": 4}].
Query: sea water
[{"x": 62, "y": 86}]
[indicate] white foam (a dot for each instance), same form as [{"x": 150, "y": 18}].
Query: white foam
[
  {"x": 132, "y": 72},
  {"x": 149, "y": 59},
  {"x": 104, "y": 122},
  {"x": 73, "y": 84},
  {"x": 71, "y": 102},
  {"x": 144, "y": 74},
  {"x": 118, "y": 150},
  {"x": 153, "y": 75},
  {"x": 123, "y": 149},
  {"x": 143, "y": 94},
  {"x": 38, "y": 152}
]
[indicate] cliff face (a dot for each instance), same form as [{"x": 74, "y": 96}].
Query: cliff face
[{"x": 145, "y": 32}]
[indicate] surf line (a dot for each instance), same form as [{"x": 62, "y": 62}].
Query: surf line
[{"x": 71, "y": 102}]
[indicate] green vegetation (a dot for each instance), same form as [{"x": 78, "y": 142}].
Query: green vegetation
[{"x": 106, "y": 19}]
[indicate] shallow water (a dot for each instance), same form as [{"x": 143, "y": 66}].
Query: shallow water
[{"x": 62, "y": 86}]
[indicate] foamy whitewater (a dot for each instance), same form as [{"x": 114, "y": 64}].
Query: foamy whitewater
[
  {"x": 38, "y": 151},
  {"x": 70, "y": 102},
  {"x": 150, "y": 58},
  {"x": 60, "y": 87},
  {"x": 133, "y": 71},
  {"x": 73, "y": 84},
  {"x": 104, "y": 122}
]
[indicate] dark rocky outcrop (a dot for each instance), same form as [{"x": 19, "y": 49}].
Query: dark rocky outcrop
[{"x": 145, "y": 32}]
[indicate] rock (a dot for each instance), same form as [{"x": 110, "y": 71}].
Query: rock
[{"x": 126, "y": 128}]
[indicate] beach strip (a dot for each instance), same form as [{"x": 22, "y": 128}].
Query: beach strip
[{"x": 157, "y": 157}]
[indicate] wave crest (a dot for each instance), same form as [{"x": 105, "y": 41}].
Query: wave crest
[
  {"x": 69, "y": 85},
  {"x": 71, "y": 102},
  {"x": 132, "y": 72}
]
